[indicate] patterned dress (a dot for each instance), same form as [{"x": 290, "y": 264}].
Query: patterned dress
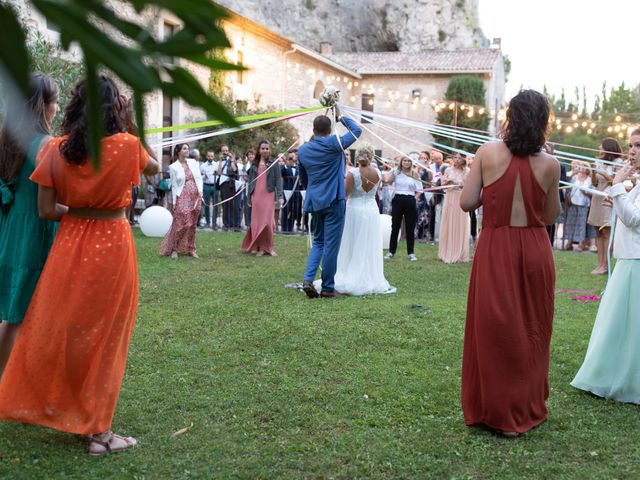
[
  {"x": 66, "y": 368},
  {"x": 181, "y": 237}
]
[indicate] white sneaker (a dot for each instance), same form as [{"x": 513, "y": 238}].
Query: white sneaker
[
  {"x": 388, "y": 256},
  {"x": 413, "y": 258}
]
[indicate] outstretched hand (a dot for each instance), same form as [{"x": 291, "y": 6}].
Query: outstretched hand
[{"x": 337, "y": 110}]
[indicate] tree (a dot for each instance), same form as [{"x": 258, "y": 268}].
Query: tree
[
  {"x": 280, "y": 135},
  {"x": 48, "y": 58},
  {"x": 464, "y": 90},
  {"x": 140, "y": 61}
]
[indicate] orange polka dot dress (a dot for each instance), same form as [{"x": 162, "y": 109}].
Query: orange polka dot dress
[{"x": 67, "y": 365}]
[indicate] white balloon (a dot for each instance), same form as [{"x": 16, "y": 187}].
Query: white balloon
[
  {"x": 155, "y": 221},
  {"x": 385, "y": 230}
]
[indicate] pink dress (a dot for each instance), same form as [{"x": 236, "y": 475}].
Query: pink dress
[
  {"x": 455, "y": 226},
  {"x": 186, "y": 212},
  {"x": 260, "y": 233}
]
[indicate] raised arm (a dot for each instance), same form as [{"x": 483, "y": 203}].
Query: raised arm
[
  {"x": 351, "y": 136},
  {"x": 627, "y": 211}
]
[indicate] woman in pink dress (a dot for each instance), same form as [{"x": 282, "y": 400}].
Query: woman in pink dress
[
  {"x": 264, "y": 190},
  {"x": 186, "y": 190},
  {"x": 455, "y": 226}
]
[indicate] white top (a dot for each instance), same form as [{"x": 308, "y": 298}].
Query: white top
[
  {"x": 226, "y": 169},
  {"x": 626, "y": 244},
  {"x": 578, "y": 197},
  {"x": 406, "y": 185},
  {"x": 209, "y": 172},
  {"x": 178, "y": 177}
]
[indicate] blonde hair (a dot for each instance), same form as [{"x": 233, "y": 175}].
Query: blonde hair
[{"x": 365, "y": 155}]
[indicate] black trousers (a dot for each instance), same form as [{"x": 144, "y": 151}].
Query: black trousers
[
  {"x": 403, "y": 206},
  {"x": 229, "y": 210},
  {"x": 474, "y": 224}
]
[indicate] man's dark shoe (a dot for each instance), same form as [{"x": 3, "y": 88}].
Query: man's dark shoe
[
  {"x": 331, "y": 294},
  {"x": 309, "y": 289}
]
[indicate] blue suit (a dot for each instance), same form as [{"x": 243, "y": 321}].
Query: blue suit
[{"x": 322, "y": 170}]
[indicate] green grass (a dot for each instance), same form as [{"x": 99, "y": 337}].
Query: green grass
[{"x": 279, "y": 386}]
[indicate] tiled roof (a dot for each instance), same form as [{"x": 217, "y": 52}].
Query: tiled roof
[{"x": 427, "y": 61}]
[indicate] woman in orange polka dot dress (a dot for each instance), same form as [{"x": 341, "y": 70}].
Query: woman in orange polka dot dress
[{"x": 66, "y": 369}]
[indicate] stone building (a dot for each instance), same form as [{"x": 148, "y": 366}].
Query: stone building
[{"x": 284, "y": 75}]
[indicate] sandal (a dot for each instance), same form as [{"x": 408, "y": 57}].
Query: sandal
[
  {"x": 194, "y": 255},
  {"x": 108, "y": 442},
  {"x": 508, "y": 434},
  {"x": 174, "y": 255}
]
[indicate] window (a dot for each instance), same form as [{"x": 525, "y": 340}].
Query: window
[
  {"x": 52, "y": 26},
  {"x": 367, "y": 105},
  {"x": 168, "y": 30},
  {"x": 240, "y": 62},
  {"x": 318, "y": 89}
]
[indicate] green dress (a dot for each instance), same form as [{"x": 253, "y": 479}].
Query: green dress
[{"x": 25, "y": 240}]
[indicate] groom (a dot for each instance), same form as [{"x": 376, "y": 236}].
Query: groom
[{"x": 322, "y": 170}]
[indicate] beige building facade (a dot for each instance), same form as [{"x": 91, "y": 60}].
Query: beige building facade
[{"x": 283, "y": 75}]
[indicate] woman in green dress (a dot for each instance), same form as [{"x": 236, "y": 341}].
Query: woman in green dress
[{"x": 25, "y": 239}]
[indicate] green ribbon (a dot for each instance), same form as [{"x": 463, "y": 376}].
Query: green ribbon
[{"x": 211, "y": 123}]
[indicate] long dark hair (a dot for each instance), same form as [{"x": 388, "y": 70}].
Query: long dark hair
[
  {"x": 527, "y": 126},
  {"x": 75, "y": 148},
  {"x": 256, "y": 159},
  {"x": 611, "y": 149},
  {"x": 26, "y": 120},
  {"x": 176, "y": 150}
]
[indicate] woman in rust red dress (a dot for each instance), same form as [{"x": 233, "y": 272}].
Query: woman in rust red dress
[
  {"x": 262, "y": 196},
  {"x": 67, "y": 365},
  {"x": 510, "y": 303}
]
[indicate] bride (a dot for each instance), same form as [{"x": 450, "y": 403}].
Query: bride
[{"x": 360, "y": 264}]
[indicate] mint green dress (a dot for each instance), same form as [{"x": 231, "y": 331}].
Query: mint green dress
[{"x": 25, "y": 240}]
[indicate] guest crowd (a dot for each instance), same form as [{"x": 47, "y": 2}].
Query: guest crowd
[{"x": 69, "y": 278}]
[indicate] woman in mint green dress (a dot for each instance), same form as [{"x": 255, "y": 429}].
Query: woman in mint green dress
[
  {"x": 25, "y": 239},
  {"x": 611, "y": 368}
]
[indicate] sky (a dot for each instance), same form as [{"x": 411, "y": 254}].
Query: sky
[{"x": 566, "y": 43}]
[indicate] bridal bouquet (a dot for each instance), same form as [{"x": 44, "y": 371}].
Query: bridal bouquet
[{"x": 330, "y": 97}]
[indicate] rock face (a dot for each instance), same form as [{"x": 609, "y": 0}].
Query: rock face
[{"x": 369, "y": 25}]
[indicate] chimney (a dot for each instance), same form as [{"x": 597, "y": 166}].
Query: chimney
[
  {"x": 496, "y": 42},
  {"x": 326, "y": 48}
]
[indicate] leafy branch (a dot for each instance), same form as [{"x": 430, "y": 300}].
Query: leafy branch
[{"x": 141, "y": 61}]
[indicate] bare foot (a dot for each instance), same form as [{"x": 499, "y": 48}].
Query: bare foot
[
  {"x": 599, "y": 271},
  {"x": 259, "y": 253},
  {"x": 174, "y": 255},
  {"x": 273, "y": 254},
  {"x": 194, "y": 255}
]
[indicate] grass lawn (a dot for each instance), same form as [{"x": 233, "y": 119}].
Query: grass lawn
[{"x": 273, "y": 385}]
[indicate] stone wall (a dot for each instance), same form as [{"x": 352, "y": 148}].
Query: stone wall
[{"x": 371, "y": 25}]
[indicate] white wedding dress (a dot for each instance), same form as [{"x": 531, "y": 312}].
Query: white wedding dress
[{"x": 360, "y": 264}]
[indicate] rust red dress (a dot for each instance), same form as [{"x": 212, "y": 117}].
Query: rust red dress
[
  {"x": 66, "y": 368},
  {"x": 261, "y": 231},
  {"x": 505, "y": 362}
]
